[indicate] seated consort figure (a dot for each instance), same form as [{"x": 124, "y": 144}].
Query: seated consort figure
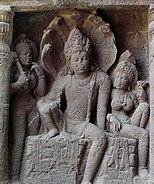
[
  {"x": 84, "y": 92},
  {"x": 141, "y": 114},
  {"x": 123, "y": 103}
]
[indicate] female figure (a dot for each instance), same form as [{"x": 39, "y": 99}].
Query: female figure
[
  {"x": 141, "y": 115},
  {"x": 82, "y": 91},
  {"x": 123, "y": 102},
  {"x": 28, "y": 83}
]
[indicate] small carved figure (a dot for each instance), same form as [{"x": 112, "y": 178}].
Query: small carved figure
[
  {"x": 141, "y": 115},
  {"x": 83, "y": 91},
  {"x": 123, "y": 102},
  {"x": 28, "y": 83}
]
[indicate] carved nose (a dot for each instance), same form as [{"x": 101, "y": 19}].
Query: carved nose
[{"x": 80, "y": 60}]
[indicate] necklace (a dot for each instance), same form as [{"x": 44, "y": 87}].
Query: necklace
[
  {"x": 82, "y": 82},
  {"x": 122, "y": 97}
]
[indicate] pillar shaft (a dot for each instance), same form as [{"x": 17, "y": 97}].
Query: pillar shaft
[
  {"x": 6, "y": 18},
  {"x": 151, "y": 74}
]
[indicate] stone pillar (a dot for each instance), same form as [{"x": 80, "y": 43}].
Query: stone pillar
[
  {"x": 6, "y": 20},
  {"x": 151, "y": 74}
]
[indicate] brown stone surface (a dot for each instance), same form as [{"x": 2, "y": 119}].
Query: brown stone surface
[
  {"x": 78, "y": 132},
  {"x": 52, "y": 161},
  {"x": 28, "y": 5},
  {"x": 132, "y": 36},
  {"x": 151, "y": 73},
  {"x": 5, "y": 64}
]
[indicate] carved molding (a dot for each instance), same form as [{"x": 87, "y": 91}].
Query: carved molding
[{"x": 33, "y": 5}]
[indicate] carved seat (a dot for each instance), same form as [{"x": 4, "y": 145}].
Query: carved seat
[
  {"x": 60, "y": 160},
  {"x": 119, "y": 162},
  {"x": 52, "y": 161}
]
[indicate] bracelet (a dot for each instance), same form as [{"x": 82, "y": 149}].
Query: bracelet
[{"x": 41, "y": 77}]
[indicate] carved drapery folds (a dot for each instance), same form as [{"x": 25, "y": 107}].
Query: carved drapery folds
[{"x": 6, "y": 18}]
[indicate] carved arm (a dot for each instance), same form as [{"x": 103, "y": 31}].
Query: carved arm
[{"x": 103, "y": 97}]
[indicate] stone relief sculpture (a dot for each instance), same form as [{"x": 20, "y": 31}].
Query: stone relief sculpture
[
  {"x": 72, "y": 145},
  {"x": 27, "y": 85},
  {"x": 83, "y": 90},
  {"x": 123, "y": 103},
  {"x": 141, "y": 115},
  {"x": 55, "y": 154}
]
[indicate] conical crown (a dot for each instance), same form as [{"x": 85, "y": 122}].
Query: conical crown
[{"x": 76, "y": 42}]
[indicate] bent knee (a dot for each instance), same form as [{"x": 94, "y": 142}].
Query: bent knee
[
  {"x": 144, "y": 135},
  {"x": 95, "y": 134},
  {"x": 100, "y": 138}
]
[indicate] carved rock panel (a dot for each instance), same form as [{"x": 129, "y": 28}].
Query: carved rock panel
[{"x": 78, "y": 115}]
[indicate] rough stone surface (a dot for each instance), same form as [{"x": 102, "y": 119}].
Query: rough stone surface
[
  {"x": 52, "y": 161},
  {"x": 123, "y": 101},
  {"x": 5, "y": 65},
  {"x": 79, "y": 94},
  {"x": 119, "y": 163},
  {"x": 28, "y": 5},
  {"x": 27, "y": 85},
  {"x": 151, "y": 51}
]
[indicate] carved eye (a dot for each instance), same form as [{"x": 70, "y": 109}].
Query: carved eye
[
  {"x": 75, "y": 60},
  {"x": 84, "y": 58}
]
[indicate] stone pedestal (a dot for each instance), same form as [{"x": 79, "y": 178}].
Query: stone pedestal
[
  {"x": 54, "y": 161},
  {"x": 119, "y": 164},
  {"x": 62, "y": 161}
]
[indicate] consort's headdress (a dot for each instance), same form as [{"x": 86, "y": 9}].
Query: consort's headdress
[
  {"x": 76, "y": 42},
  {"x": 142, "y": 84},
  {"x": 127, "y": 65}
]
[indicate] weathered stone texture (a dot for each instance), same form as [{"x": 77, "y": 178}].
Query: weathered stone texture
[
  {"x": 79, "y": 92},
  {"x": 120, "y": 162},
  {"x": 5, "y": 65},
  {"x": 55, "y": 161},
  {"x": 28, "y": 5}
]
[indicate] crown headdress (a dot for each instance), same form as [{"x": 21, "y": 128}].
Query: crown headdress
[
  {"x": 76, "y": 42},
  {"x": 127, "y": 65}
]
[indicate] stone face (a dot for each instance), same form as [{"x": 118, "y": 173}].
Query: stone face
[{"x": 79, "y": 92}]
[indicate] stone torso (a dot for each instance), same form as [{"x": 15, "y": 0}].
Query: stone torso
[
  {"x": 122, "y": 105},
  {"x": 77, "y": 95}
]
